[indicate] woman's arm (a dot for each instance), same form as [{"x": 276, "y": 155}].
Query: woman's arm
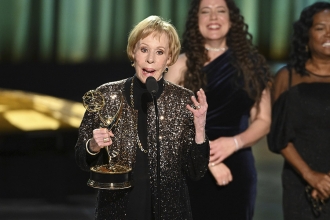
[
  {"x": 176, "y": 72},
  {"x": 319, "y": 181},
  {"x": 82, "y": 149},
  {"x": 198, "y": 154},
  {"x": 260, "y": 120}
]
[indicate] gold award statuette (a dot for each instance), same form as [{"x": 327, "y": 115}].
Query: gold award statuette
[{"x": 107, "y": 176}]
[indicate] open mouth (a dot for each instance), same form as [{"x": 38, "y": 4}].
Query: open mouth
[
  {"x": 327, "y": 44},
  {"x": 213, "y": 27},
  {"x": 148, "y": 71}
]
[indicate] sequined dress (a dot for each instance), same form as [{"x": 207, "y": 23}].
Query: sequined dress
[
  {"x": 301, "y": 116},
  {"x": 228, "y": 114},
  {"x": 181, "y": 157}
]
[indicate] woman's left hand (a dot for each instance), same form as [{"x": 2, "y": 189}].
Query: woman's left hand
[
  {"x": 199, "y": 115},
  {"x": 221, "y": 174},
  {"x": 321, "y": 184}
]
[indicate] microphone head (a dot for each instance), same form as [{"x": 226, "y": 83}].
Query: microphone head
[{"x": 152, "y": 85}]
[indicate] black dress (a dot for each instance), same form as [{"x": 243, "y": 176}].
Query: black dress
[
  {"x": 139, "y": 202},
  {"x": 228, "y": 114},
  {"x": 301, "y": 115}
]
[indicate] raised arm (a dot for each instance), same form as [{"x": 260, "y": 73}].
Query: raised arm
[{"x": 199, "y": 115}]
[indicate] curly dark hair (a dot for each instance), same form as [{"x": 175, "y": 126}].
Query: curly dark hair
[
  {"x": 251, "y": 65},
  {"x": 299, "y": 45}
]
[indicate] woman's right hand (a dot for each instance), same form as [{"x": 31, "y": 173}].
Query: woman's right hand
[
  {"x": 222, "y": 148},
  {"x": 320, "y": 182},
  {"x": 221, "y": 173},
  {"x": 101, "y": 138}
]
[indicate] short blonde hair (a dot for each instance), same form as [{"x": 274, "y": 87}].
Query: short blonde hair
[{"x": 154, "y": 25}]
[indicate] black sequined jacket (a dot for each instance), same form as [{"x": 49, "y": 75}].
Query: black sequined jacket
[{"x": 180, "y": 157}]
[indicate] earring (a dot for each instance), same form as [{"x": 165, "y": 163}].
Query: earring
[
  {"x": 306, "y": 48},
  {"x": 166, "y": 70},
  {"x": 132, "y": 63}
]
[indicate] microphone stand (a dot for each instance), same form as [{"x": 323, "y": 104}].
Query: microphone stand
[
  {"x": 158, "y": 154},
  {"x": 152, "y": 88}
]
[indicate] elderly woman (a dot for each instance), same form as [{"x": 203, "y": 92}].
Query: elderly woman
[
  {"x": 153, "y": 45},
  {"x": 301, "y": 124}
]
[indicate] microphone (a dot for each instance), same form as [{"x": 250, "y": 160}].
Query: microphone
[{"x": 152, "y": 85}]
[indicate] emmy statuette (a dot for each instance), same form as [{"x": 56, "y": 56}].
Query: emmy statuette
[{"x": 110, "y": 176}]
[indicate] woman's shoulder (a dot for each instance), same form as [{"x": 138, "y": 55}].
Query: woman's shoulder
[
  {"x": 115, "y": 85},
  {"x": 181, "y": 60},
  {"x": 281, "y": 82},
  {"x": 288, "y": 77},
  {"x": 282, "y": 75},
  {"x": 176, "y": 72},
  {"x": 177, "y": 90}
]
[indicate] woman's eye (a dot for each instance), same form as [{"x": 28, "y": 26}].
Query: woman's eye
[
  {"x": 144, "y": 50},
  {"x": 319, "y": 27},
  {"x": 221, "y": 11},
  {"x": 204, "y": 12},
  {"x": 160, "y": 52}
]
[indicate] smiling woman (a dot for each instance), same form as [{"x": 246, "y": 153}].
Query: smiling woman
[
  {"x": 300, "y": 123},
  {"x": 219, "y": 56}
]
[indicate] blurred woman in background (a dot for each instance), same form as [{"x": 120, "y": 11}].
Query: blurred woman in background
[
  {"x": 219, "y": 56},
  {"x": 301, "y": 124}
]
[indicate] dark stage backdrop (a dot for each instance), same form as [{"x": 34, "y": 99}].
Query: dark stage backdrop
[{"x": 75, "y": 31}]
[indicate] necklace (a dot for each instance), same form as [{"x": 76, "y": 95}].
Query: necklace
[
  {"x": 137, "y": 133},
  {"x": 216, "y": 49}
]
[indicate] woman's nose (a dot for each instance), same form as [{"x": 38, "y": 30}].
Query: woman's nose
[
  {"x": 214, "y": 15},
  {"x": 150, "y": 59},
  {"x": 327, "y": 33}
]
